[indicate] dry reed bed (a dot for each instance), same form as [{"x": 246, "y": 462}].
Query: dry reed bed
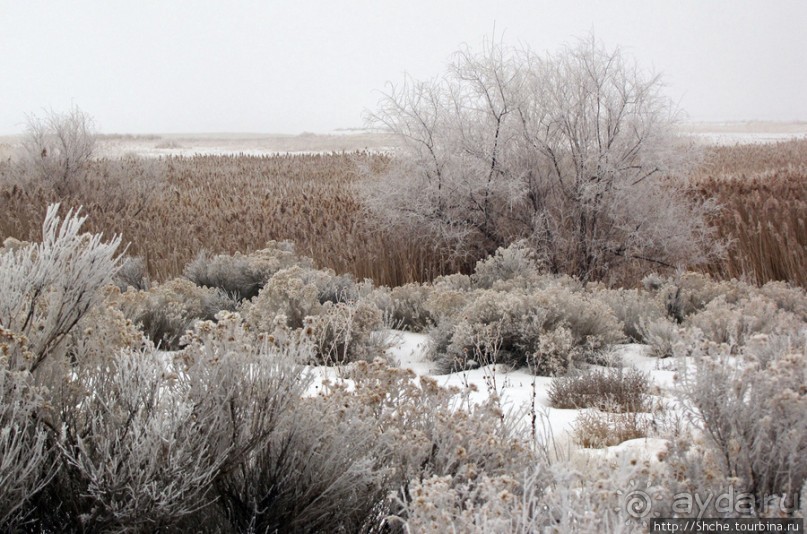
[
  {"x": 171, "y": 209},
  {"x": 763, "y": 192}
]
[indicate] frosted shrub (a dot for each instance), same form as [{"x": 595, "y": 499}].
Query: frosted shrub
[
  {"x": 595, "y": 429},
  {"x": 292, "y": 463},
  {"x": 289, "y": 310},
  {"x": 453, "y": 282},
  {"x": 103, "y": 332},
  {"x": 243, "y": 276},
  {"x": 589, "y": 494},
  {"x": 513, "y": 323},
  {"x": 292, "y": 293},
  {"x": 580, "y": 496},
  {"x": 430, "y": 430},
  {"x": 695, "y": 466},
  {"x": 544, "y": 329},
  {"x": 340, "y": 288},
  {"x": 382, "y": 298},
  {"x": 554, "y": 352},
  {"x": 226, "y": 337},
  {"x": 592, "y": 323},
  {"x": 691, "y": 292},
  {"x": 26, "y": 464},
  {"x": 615, "y": 390},
  {"x": 444, "y": 304},
  {"x": 137, "y": 451},
  {"x": 346, "y": 332},
  {"x": 289, "y": 463},
  {"x": 516, "y": 263},
  {"x": 409, "y": 306},
  {"x": 335, "y": 458},
  {"x": 752, "y": 409},
  {"x": 166, "y": 311},
  {"x": 631, "y": 307},
  {"x": 734, "y": 323},
  {"x": 132, "y": 274},
  {"x": 46, "y": 288},
  {"x": 57, "y": 148},
  {"x": 488, "y": 504},
  {"x": 666, "y": 338},
  {"x": 787, "y": 298},
  {"x": 318, "y": 471}
]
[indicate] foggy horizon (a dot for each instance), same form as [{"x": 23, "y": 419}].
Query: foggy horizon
[{"x": 289, "y": 68}]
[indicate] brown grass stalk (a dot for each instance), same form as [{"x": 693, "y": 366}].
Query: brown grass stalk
[
  {"x": 170, "y": 209},
  {"x": 763, "y": 192}
]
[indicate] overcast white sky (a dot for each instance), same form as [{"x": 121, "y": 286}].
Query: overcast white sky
[{"x": 290, "y": 66}]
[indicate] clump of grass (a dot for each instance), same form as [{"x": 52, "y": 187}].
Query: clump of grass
[
  {"x": 595, "y": 430},
  {"x": 612, "y": 390}
]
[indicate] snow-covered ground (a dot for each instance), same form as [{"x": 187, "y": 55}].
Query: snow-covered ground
[
  {"x": 743, "y": 132},
  {"x": 156, "y": 145},
  {"x": 241, "y": 144},
  {"x": 744, "y": 138},
  {"x": 521, "y": 392}
]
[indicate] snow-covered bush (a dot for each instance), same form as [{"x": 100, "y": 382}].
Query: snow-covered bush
[
  {"x": 516, "y": 264},
  {"x": 734, "y": 323},
  {"x": 503, "y": 503},
  {"x": 543, "y": 329},
  {"x": 347, "y": 332},
  {"x": 409, "y": 306},
  {"x": 46, "y": 288},
  {"x": 752, "y": 409},
  {"x": 132, "y": 274},
  {"x": 614, "y": 390},
  {"x": 26, "y": 464},
  {"x": 631, "y": 307},
  {"x": 104, "y": 331},
  {"x": 292, "y": 293},
  {"x": 787, "y": 298},
  {"x": 137, "y": 453},
  {"x": 690, "y": 292},
  {"x": 166, "y": 311},
  {"x": 243, "y": 275},
  {"x": 666, "y": 338}
]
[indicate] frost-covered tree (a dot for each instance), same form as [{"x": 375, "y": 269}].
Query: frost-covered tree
[
  {"x": 58, "y": 146},
  {"x": 575, "y": 151}
]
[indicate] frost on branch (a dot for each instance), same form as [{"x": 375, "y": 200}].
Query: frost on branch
[{"x": 47, "y": 287}]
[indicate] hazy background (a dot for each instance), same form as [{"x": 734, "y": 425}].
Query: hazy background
[{"x": 294, "y": 66}]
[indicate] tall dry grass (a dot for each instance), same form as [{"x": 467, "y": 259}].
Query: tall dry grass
[
  {"x": 763, "y": 192},
  {"x": 171, "y": 209}
]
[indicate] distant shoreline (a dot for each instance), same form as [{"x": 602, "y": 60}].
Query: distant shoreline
[{"x": 117, "y": 145}]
